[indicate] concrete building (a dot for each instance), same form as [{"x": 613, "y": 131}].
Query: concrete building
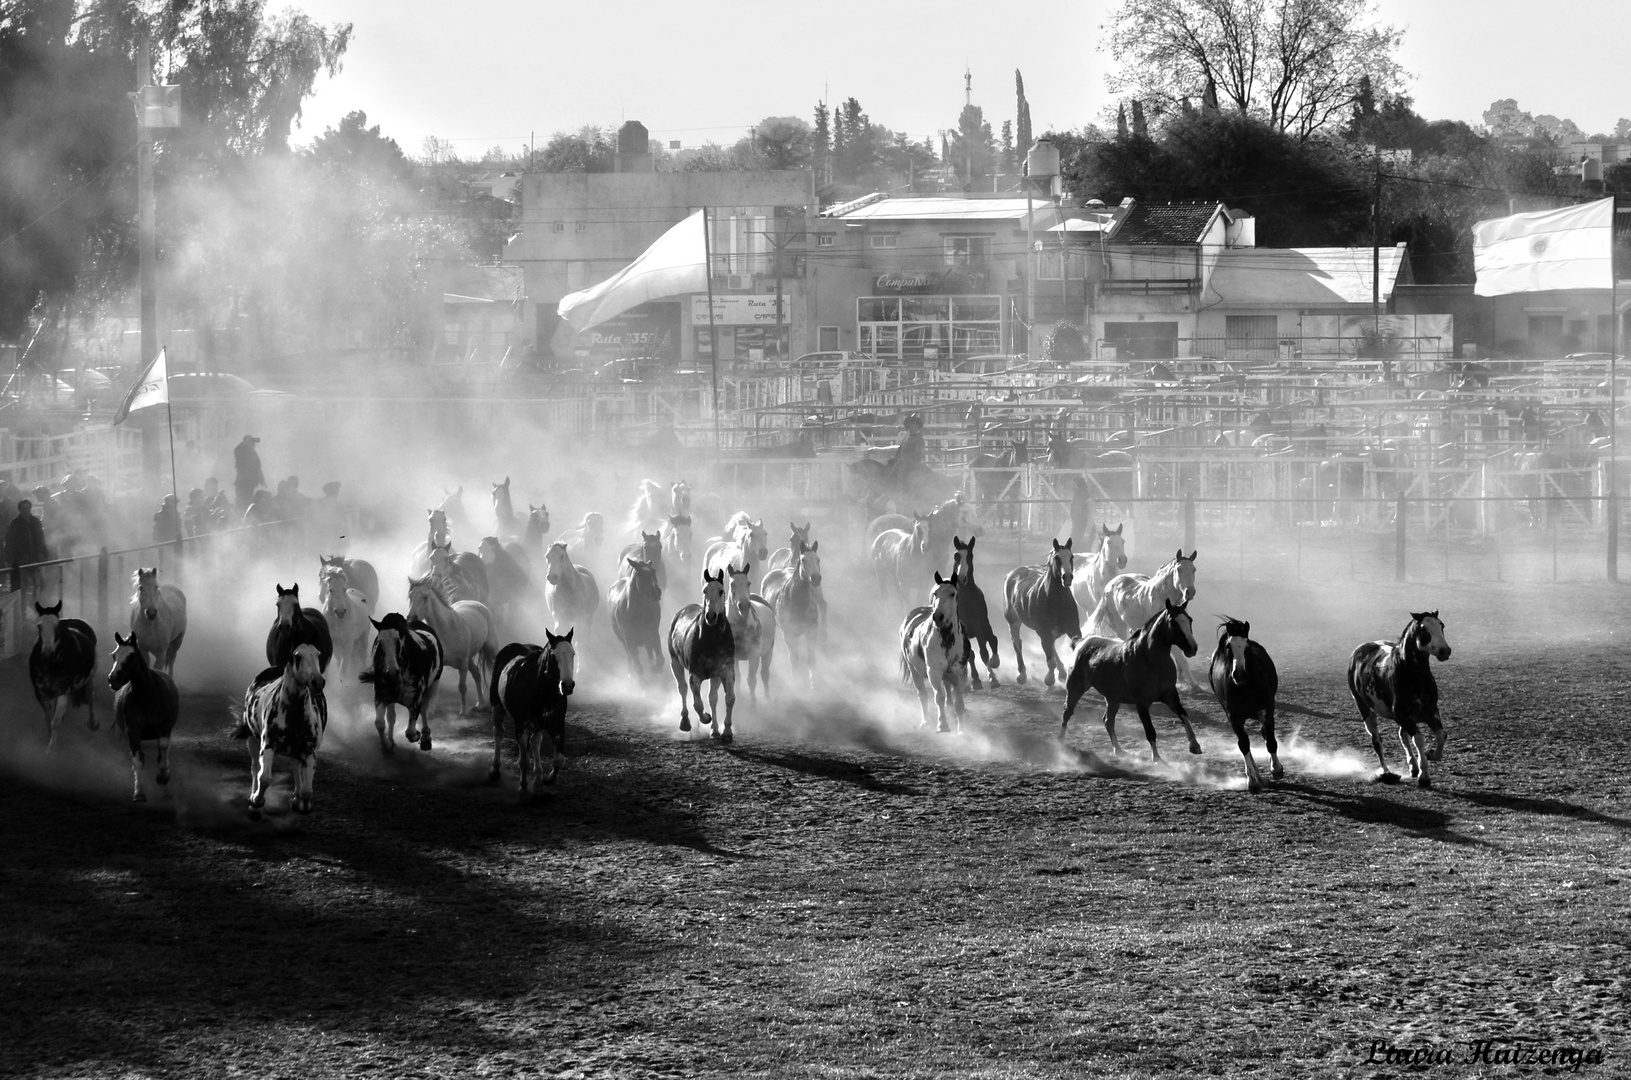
[{"x": 578, "y": 229}]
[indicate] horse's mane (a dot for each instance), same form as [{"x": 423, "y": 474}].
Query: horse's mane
[
  {"x": 429, "y": 581},
  {"x": 737, "y": 520},
  {"x": 1229, "y": 626},
  {"x": 136, "y": 583}
]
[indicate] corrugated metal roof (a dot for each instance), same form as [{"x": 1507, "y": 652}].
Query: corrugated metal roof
[
  {"x": 1165, "y": 223},
  {"x": 930, "y": 208},
  {"x": 1302, "y": 277}
]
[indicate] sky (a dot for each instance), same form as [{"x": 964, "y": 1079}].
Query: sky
[{"x": 509, "y": 70}]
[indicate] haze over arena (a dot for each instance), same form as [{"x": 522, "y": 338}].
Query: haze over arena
[{"x": 498, "y": 71}]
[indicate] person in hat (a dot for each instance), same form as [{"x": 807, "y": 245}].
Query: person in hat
[
  {"x": 25, "y": 544},
  {"x": 167, "y": 522},
  {"x": 249, "y": 477},
  {"x": 908, "y": 460}
]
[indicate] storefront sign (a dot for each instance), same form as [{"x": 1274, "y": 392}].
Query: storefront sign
[
  {"x": 737, "y": 309},
  {"x": 952, "y": 280},
  {"x": 907, "y": 282},
  {"x": 651, "y": 330}
]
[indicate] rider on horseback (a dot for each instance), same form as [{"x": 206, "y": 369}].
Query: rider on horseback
[{"x": 908, "y": 461}]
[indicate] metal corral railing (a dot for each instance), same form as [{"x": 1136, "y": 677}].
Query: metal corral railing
[
  {"x": 95, "y": 587},
  {"x": 113, "y": 454}
]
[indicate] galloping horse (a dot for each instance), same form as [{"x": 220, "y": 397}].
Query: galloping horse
[
  {"x": 931, "y": 652},
  {"x": 537, "y": 528},
  {"x": 753, "y": 629},
  {"x": 700, "y": 646},
  {"x": 145, "y": 705},
  {"x": 452, "y": 509},
  {"x": 649, "y": 550},
  {"x": 1093, "y": 572},
  {"x": 899, "y": 556},
  {"x": 419, "y": 566},
  {"x": 346, "y": 611},
  {"x": 406, "y": 670},
  {"x": 974, "y": 614},
  {"x": 782, "y": 558},
  {"x": 635, "y": 604},
  {"x": 570, "y": 591},
  {"x": 745, "y": 540},
  {"x": 1393, "y": 680},
  {"x": 1039, "y": 597},
  {"x": 794, "y": 594},
  {"x": 954, "y": 517},
  {"x": 359, "y": 575},
  {"x": 1131, "y": 600},
  {"x": 158, "y": 618},
  {"x": 677, "y": 543},
  {"x": 531, "y": 684},
  {"x": 650, "y": 507},
  {"x": 287, "y": 714},
  {"x": 61, "y": 666},
  {"x": 296, "y": 625},
  {"x": 466, "y": 630},
  {"x": 583, "y": 542},
  {"x": 1138, "y": 671},
  {"x": 507, "y": 521},
  {"x": 461, "y": 573},
  {"x": 1245, "y": 683},
  {"x": 509, "y": 577}
]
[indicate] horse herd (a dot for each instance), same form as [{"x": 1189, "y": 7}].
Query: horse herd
[{"x": 471, "y": 611}]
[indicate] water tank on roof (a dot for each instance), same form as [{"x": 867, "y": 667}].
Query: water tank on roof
[
  {"x": 1042, "y": 160},
  {"x": 632, "y": 138}
]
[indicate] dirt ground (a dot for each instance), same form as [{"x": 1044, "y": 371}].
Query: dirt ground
[{"x": 839, "y": 894}]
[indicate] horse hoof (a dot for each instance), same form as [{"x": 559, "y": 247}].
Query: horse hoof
[
  {"x": 1432, "y": 755},
  {"x": 942, "y": 728},
  {"x": 1020, "y": 679},
  {"x": 685, "y": 724},
  {"x": 164, "y": 776},
  {"x": 1386, "y": 777},
  {"x": 1194, "y": 748},
  {"x": 387, "y": 750},
  {"x": 493, "y": 777},
  {"x": 727, "y": 738},
  {"x": 424, "y": 744},
  {"x": 1424, "y": 782},
  {"x": 93, "y": 725},
  {"x": 1278, "y": 773},
  {"x": 254, "y": 813},
  {"x": 1253, "y": 786}
]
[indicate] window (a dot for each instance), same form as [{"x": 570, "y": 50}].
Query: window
[
  {"x": 824, "y": 239},
  {"x": 560, "y": 226},
  {"x": 928, "y": 327},
  {"x": 967, "y": 250},
  {"x": 885, "y": 240},
  {"x": 1142, "y": 340},
  {"x": 827, "y": 338},
  {"x": 1251, "y": 337},
  {"x": 583, "y": 226}
]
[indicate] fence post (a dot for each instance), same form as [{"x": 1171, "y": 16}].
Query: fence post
[
  {"x": 1189, "y": 522},
  {"x": 1399, "y": 529},
  {"x": 1613, "y": 535},
  {"x": 102, "y": 590}
]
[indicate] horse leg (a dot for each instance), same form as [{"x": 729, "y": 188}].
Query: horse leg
[
  {"x": 424, "y": 727},
  {"x": 387, "y": 735},
  {"x": 955, "y": 676},
  {"x": 1050, "y": 656},
  {"x": 1410, "y": 739},
  {"x": 1386, "y": 776},
  {"x": 137, "y": 760},
  {"x": 1149, "y": 731},
  {"x": 730, "y": 706},
  {"x": 1170, "y": 700},
  {"x": 1019, "y": 653},
  {"x": 1110, "y": 710},
  {"x": 1074, "y": 688},
  {"x": 263, "y": 778},
  {"x": 1274, "y": 747},
  {"x": 494, "y": 773},
  {"x": 704, "y": 717},
  {"x": 968, "y": 662},
  {"x": 713, "y": 703},
  {"x": 164, "y": 759},
  {"x": 463, "y": 671},
  {"x": 305, "y": 770},
  {"x": 53, "y": 714},
  {"x": 920, "y": 682},
  {"x": 937, "y": 682},
  {"x": 523, "y": 751},
  {"x": 991, "y": 654},
  {"x": 1186, "y": 676},
  {"x": 1254, "y": 782},
  {"x": 679, "y": 683}
]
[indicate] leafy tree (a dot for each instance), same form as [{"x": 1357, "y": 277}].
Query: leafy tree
[
  {"x": 777, "y": 142},
  {"x": 1022, "y": 118},
  {"x": 1294, "y": 64},
  {"x": 1005, "y": 154},
  {"x": 356, "y": 146},
  {"x": 972, "y": 153},
  {"x": 589, "y": 149},
  {"x": 821, "y": 137},
  {"x": 1503, "y": 117}
]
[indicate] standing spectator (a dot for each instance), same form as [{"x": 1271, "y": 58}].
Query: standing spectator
[
  {"x": 167, "y": 522},
  {"x": 217, "y": 511},
  {"x": 195, "y": 517},
  {"x": 250, "y": 478},
  {"x": 25, "y": 544}
]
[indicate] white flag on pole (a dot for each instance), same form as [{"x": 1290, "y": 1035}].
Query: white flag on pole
[
  {"x": 152, "y": 388},
  {"x": 673, "y": 266},
  {"x": 1570, "y": 248}
]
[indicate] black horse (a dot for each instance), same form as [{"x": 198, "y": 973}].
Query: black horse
[
  {"x": 1244, "y": 681},
  {"x": 1039, "y": 597},
  {"x": 61, "y": 666},
  {"x": 974, "y": 614},
  {"x": 145, "y": 705},
  {"x": 531, "y": 685},
  {"x": 296, "y": 625},
  {"x": 1138, "y": 671},
  {"x": 702, "y": 648}
]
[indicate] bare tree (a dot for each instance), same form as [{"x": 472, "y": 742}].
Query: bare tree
[{"x": 1295, "y": 64}]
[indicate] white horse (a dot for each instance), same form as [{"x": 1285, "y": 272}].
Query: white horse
[
  {"x": 1093, "y": 572},
  {"x": 931, "y": 653},
  {"x": 901, "y": 556},
  {"x": 753, "y": 629},
  {"x": 347, "y": 611},
  {"x": 570, "y": 591},
  {"x": 439, "y": 535},
  {"x": 650, "y": 507},
  {"x": 677, "y": 542},
  {"x": 466, "y": 630},
  {"x": 745, "y": 541},
  {"x": 158, "y": 618},
  {"x": 583, "y": 543},
  {"x": 1132, "y": 600}
]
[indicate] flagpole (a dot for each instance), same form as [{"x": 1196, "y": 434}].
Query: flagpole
[
  {"x": 713, "y": 332},
  {"x": 1613, "y": 502}
]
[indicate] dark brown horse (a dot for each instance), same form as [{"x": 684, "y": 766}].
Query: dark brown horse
[
  {"x": 974, "y": 614},
  {"x": 1138, "y": 671},
  {"x": 1039, "y": 597},
  {"x": 531, "y": 685},
  {"x": 297, "y": 625},
  {"x": 1245, "y": 683},
  {"x": 701, "y": 647}
]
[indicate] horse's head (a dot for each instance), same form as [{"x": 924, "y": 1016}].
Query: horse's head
[
  {"x": 332, "y": 583},
  {"x": 1114, "y": 546},
  {"x": 741, "y": 586},
  {"x": 422, "y": 594},
  {"x": 713, "y": 596},
  {"x": 962, "y": 557},
  {"x": 1183, "y": 574},
  {"x": 537, "y": 521},
  {"x": 943, "y": 600},
  {"x": 651, "y": 545},
  {"x": 556, "y": 562},
  {"x": 147, "y": 591},
  {"x": 807, "y": 563},
  {"x": 1183, "y": 627},
  {"x": 489, "y": 549},
  {"x": 642, "y": 577},
  {"x": 128, "y": 661},
  {"x": 305, "y": 667},
  {"x": 288, "y": 604},
  {"x": 390, "y": 632},
  {"x": 797, "y": 536},
  {"x": 1233, "y": 637},
  {"x": 441, "y": 557},
  {"x": 438, "y": 525},
  {"x": 1426, "y": 630},
  {"x": 48, "y": 619},
  {"x": 560, "y": 649},
  {"x": 501, "y": 497},
  {"x": 679, "y": 527},
  {"x": 679, "y": 495},
  {"x": 920, "y": 532},
  {"x": 594, "y": 526},
  {"x": 1062, "y": 563},
  {"x": 758, "y": 541}
]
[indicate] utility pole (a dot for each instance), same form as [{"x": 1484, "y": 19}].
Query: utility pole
[
  {"x": 780, "y": 240},
  {"x": 1376, "y": 248},
  {"x": 147, "y": 248}
]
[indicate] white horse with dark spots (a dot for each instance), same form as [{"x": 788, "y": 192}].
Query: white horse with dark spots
[
  {"x": 1394, "y": 680},
  {"x": 145, "y": 707},
  {"x": 287, "y": 715},
  {"x": 931, "y": 653},
  {"x": 61, "y": 666},
  {"x": 702, "y": 648}
]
